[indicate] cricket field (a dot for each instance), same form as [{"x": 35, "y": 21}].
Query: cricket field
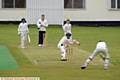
[{"x": 45, "y": 62}]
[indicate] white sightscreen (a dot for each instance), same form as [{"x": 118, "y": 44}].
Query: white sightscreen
[{"x": 53, "y": 9}]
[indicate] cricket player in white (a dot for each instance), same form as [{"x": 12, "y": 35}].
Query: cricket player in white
[
  {"x": 42, "y": 24},
  {"x": 23, "y": 31},
  {"x": 65, "y": 39},
  {"x": 62, "y": 46},
  {"x": 63, "y": 43},
  {"x": 101, "y": 47},
  {"x": 67, "y": 27}
]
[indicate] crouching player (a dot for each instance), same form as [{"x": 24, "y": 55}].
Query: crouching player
[
  {"x": 101, "y": 47},
  {"x": 63, "y": 43},
  {"x": 22, "y": 32}
]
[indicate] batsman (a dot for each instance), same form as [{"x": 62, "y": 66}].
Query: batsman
[
  {"x": 64, "y": 43},
  {"x": 23, "y": 32}
]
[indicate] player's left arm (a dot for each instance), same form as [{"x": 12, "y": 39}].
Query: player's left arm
[
  {"x": 46, "y": 23},
  {"x": 74, "y": 42},
  {"x": 27, "y": 26}
]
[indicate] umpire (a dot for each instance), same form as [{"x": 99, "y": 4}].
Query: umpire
[{"x": 42, "y": 24}]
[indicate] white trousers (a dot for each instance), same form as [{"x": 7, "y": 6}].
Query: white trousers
[
  {"x": 23, "y": 38},
  {"x": 95, "y": 53},
  {"x": 98, "y": 51},
  {"x": 63, "y": 52}
]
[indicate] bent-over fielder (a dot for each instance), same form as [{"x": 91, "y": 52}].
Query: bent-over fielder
[{"x": 101, "y": 47}]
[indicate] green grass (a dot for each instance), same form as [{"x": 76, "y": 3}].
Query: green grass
[
  {"x": 7, "y": 61},
  {"x": 49, "y": 67}
]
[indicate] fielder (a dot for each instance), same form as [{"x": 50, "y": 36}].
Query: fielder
[
  {"x": 67, "y": 27},
  {"x": 101, "y": 47},
  {"x": 63, "y": 43},
  {"x": 42, "y": 24},
  {"x": 23, "y": 31}
]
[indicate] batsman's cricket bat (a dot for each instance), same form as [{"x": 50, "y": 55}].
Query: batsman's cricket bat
[{"x": 29, "y": 40}]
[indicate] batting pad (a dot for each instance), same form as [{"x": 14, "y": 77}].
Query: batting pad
[{"x": 7, "y": 62}]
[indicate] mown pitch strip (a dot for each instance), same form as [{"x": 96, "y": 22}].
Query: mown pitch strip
[{"x": 7, "y": 62}]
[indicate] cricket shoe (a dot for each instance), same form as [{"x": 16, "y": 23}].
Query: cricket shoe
[
  {"x": 63, "y": 59},
  {"x": 83, "y": 67},
  {"x": 40, "y": 45}
]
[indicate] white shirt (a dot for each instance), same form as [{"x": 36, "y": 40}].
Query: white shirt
[
  {"x": 63, "y": 41},
  {"x": 101, "y": 45},
  {"x": 42, "y": 24},
  {"x": 22, "y": 27},
  {"x": 67, "y": 28}
]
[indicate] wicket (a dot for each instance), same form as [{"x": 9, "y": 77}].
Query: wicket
[{"x": 70, "y": 51}]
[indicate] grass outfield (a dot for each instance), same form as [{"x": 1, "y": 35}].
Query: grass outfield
[{"x": 49, "y": 67}]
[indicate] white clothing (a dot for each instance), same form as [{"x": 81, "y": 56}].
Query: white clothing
[
  {"x": 67, "y": 28},
  {"x": 23, "y": 31},
  {"x": 42, "y": 25}
]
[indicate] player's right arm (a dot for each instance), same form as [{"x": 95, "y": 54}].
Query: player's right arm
[
  {"x": 64, "y": 28},
  {"x": 19, "y": 29},
  {"x": 38, "y": 24}
]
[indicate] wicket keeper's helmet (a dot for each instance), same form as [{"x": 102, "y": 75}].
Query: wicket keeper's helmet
[{"x": 68, "y": 35}]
